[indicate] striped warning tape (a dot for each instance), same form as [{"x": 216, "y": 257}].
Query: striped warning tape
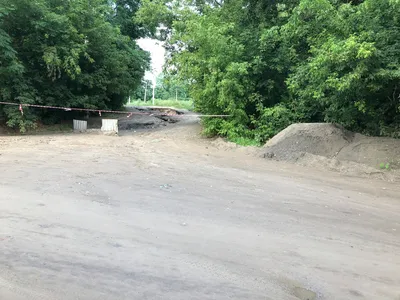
[{"x": 100, "y": 111}]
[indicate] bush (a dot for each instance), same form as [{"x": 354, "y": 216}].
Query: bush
[
  {"x": 272, "y": 120},
  {"x": 50, "y": 54},
  {"x": 272, "y": 63}
]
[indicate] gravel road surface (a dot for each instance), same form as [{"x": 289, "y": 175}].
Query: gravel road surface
[{"x": 168, "y": 215}]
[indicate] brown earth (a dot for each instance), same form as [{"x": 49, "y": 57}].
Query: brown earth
[
  {"x": 329, "y": 146},
  {"x": 166, "y": 214}
]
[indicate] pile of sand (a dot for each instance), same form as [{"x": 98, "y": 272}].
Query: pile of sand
[
  {"x": 319, "y": 139},
  {"x": 333, "y": 147}
]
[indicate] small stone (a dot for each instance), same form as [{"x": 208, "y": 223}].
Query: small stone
[
  {"x": 269, "y": 155},
  {"x": 165, "y": 186}
]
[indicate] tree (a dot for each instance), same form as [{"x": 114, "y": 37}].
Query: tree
[
  {"x": 68, "y": 53},
  {"x": 141, "y": 93},
  {"x": 271, "y": 63},
  {"x": 169, "y": 87}
]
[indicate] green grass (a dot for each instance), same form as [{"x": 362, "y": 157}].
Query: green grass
[
  {"x": 168, "y": 103},
  {"x": 242, "y": 141},
  {"x": 54, "y": 128},
  {"x": 64, "y": 127},
  {"x": 384, "y": 166}
]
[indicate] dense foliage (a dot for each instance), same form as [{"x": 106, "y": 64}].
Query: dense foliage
[
  {"x": 271, "y": 63},
  {"x": 166, "y": 88},
  {"x": 143, "y": 92},
  {"x": 79, "y": 53},
  {"x": 170, "y": 88}
]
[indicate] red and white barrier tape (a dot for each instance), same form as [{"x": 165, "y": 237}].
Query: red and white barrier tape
[{"x": 100, "y": 111}]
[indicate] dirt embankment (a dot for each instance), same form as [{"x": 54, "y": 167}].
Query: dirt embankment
[
  {"x": 142, "y": 118},
  {"x": 331, "y": 146}
]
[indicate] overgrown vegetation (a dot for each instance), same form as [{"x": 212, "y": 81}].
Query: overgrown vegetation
[
  {"x": 166, "y": 88},
  {"x": 271, "y": 63},
  {"x": 266, "y": 63},
  {"x": 185, "y": 104},
  {"x": 68, "y": 53}
]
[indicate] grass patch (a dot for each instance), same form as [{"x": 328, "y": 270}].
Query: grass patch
[
  {"x": 184, "y": 104},
  {"x": 65, "y": 127},
  {"x": 384, "y": 166},
  {"x": 242, "y": 141}
]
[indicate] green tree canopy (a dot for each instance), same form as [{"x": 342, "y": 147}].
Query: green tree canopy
[
  {"x": 170, "y": 87},
  {"x": 271, "y": 63},
  {"x": 68, "y": 53}
]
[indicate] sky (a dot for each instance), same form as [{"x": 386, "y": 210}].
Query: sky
[{"x": 157, "y": 53}]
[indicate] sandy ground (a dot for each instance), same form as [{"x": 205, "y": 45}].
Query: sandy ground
[{"x": 168, "y": 215}]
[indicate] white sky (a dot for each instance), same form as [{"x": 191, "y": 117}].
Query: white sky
[{"x": 157, "y": 53}]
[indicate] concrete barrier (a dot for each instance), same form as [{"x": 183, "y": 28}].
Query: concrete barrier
[
  {"x": 80, "y": 125},
  {"x": 109, "y": 125}
]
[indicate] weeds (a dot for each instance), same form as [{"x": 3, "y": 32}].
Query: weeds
[
  {"x": 242, "y": 141},
  {"x": 169, "y": 103},
  {"x": 384, "y": 166}
]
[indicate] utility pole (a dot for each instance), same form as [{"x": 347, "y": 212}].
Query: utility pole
[
  {"x": 154, "y": 87},
  {"x": 154, "y": 90},
  {"x": 145, "y": 92}
]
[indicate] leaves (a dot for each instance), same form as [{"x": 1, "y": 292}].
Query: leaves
[
  {"x": 270, "y": 63},
  {"x": 68, "y": 53}
]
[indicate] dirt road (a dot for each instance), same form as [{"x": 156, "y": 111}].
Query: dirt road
[{"x": 168, "y": 215}]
